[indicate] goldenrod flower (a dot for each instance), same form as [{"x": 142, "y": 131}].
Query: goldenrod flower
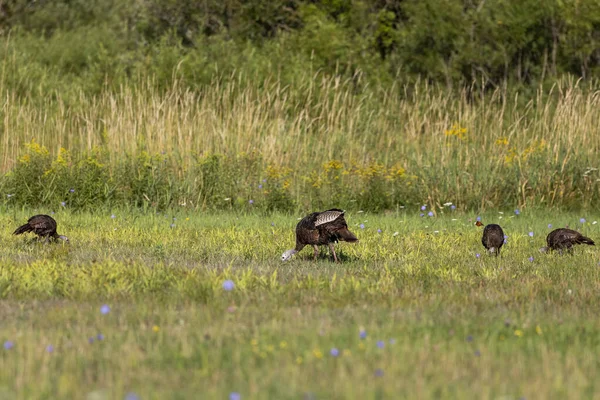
[{"x": 518, "y": 333}]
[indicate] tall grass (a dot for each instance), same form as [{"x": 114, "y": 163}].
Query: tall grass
[{"x": 492, "y": 150}]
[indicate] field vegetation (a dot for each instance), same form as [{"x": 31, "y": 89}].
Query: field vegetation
[
  {"x": 244, "y": 149},
  {"x": 439, "y": 318},
  {"x": 368, "y": 105},
  {"x": 177, "y": 143}
]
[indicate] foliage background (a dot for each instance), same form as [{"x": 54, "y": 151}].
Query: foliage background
[{"x": 159, "y": 103}]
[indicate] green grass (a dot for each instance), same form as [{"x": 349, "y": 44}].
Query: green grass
[{"x": 173, "y": 332}]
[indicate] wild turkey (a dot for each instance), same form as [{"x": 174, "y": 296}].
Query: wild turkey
[
  {"x": 42, "y": 225},
  {"x": 493, "y": 238},
  {"x": 564, "y": 239},
  {"x": 321, "y": 228}
]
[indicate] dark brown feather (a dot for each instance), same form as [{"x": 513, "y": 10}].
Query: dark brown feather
[
  {"x": 493, "y": 237},
  {"x": 42, "y": 225},
  {"x": 323, "y": 228},
  {"x": 565, "y": 239}
]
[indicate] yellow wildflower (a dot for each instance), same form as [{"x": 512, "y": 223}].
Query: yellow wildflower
[
  {"x": 518, "y": 333},
  {"x": 333, "y": 165},
  {"x": 63, "y": 157},
  {"x": 318, "y": 354},
  {"x": 298, "y": 360},
  {"x": 283, "y": 344},
  {"x": 36, "y": 148},
  {"x": 155, "y": 328},
  {"x": 538, "y": 330},
  {"x": 457, "y": 131}
]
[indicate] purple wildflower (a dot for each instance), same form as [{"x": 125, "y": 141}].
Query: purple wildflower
[
  {"x": 379, "y": 372},
  {"x": 549, "y": 226},
  {"x": 362, "y": 334},
  {"x": 8, "y": 345},
  {"x": 380, "y": 344},
  {"x": 228, "y": 285},
  {"x": 62, "y": 203},
  {"x": 477, "y": 255},
  {"x": 378, "y": 230},
  {"x": 334, "y": 352},
  {"x": 49, "y": 348},
  {"x": 260, "y": 186},
  {"x": 582, "y": 220},
  {"x": 423, "y": 208},
  {"x": 105, "y": 309},
  {"x": 362, "y": 226},
  {"x": 530, "y": 234},
  {"x": 250, "y": 201},
  {"x": 530, "y": 259},
  {"x": 430, "y": 213},
  {"x": 235, "y": 396},
  {"x": 100, "y": 336},
  {"x": 517, "y": 212},
  {"x": 478, "y": 218},
  {"x": 453, "y": 207}
]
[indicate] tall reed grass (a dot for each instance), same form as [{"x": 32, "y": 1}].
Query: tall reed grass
[{"x": 488, "y": 150}]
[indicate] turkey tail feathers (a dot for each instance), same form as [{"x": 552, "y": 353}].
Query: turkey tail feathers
[
  {"x": 22, "y": 229},
  {"x": 328, "y": 216},
  {"x": 587, "y": 240},
  {"x": 347, "y": 236}
]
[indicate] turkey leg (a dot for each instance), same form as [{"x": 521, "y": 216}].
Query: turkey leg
[{"x": 333, "y": 252}]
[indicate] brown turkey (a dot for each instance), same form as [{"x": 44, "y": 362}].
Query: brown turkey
[
  {"x": 42, "y": 225},
  {"x": 564, "y": 239},
  {"x": 493, "y": 238},
  {"x": 321, "y": 228}
]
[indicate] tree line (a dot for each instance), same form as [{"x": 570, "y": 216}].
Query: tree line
[{"x": 95, "y": 43}]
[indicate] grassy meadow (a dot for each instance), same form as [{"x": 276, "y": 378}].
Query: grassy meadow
[
  {"x": 177, "y": 144},
  {"x": 411, "y": 312}
]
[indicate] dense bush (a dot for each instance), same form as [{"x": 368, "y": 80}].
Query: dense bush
[
  {"x": 91, "y": 45},
  {"x": 243, "y": 182}
]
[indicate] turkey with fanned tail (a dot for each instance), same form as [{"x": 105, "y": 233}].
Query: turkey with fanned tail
[
  {"x": 321, "y": 228},
  {"x": 42, "y": 225},
  {"x": 564, "y": 239}
]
